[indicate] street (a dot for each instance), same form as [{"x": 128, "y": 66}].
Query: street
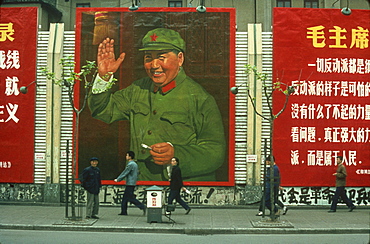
[{"x": 68, "y": 237}]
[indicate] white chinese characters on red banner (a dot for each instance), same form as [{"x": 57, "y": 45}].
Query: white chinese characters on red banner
[
  {"x": 18, "y": 35},
  {"x": 325, "y": 55}
]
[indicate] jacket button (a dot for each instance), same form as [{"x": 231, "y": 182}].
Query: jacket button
[
  {"x": 143, "y": 151},
  {"x": 149, "y": 132},
  {"x": 155, "y": 112}
]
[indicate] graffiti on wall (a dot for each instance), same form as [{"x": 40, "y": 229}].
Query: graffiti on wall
[
  {"x": 219, "y": 196},
  {"x": 198, "y": 195},
  {"x": 21, "y": 192},
  {"x": 322, "y": 195}
]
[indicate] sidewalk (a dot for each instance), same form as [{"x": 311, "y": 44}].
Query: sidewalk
[{"x": 199, "y": 221}]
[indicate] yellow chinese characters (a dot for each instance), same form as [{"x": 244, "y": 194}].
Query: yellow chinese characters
[
  {"x": 6, "y": 32},
  {"x": 359, "y": 38},
  {"x": 317, "y": 35},
  {"x": 337, "y": 37}
]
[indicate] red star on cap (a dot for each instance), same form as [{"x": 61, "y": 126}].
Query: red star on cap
[{"x": 154, "y": 37}]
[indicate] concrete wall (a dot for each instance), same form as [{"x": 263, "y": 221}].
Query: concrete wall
[{"x": 200, "y": 196}]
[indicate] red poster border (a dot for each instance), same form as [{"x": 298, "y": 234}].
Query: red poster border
[{"x": 231, "y": 158}]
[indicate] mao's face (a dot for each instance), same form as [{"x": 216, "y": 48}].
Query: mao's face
[{"x": 162, "y": 66}]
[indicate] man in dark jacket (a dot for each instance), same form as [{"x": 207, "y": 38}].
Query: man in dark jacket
[
  {"x": 270, "y": 160},
  {"x": 340, "y": 183},
  {"x": 275, "y": 186},
  {"x": 90, "y": 179},
  {"x": 176, "y": 185}
]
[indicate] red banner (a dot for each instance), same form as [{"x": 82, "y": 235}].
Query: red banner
[
  {"x": 326, "y": 56},
  {"x": 18, "y": 35}
]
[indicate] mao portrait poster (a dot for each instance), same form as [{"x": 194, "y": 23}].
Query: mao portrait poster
[
  {"x": 326, "y": 56},
  {"x": 173, "y": 69}
]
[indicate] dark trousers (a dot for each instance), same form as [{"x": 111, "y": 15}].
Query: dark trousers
[
  {"x": 340, "y": 192},
  {"x": 175, "y": 195},
  {"x": 268, "y": 198},
  {"x": 278, "y": 202},
  {"x": 128, "y": 196}
]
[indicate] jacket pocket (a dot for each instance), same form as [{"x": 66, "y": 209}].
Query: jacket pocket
[
  {"x": 175, "y": 117},
  {"x": 140, "y": 108}
]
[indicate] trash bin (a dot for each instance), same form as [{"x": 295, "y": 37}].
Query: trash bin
[{"x": 154, "y": 204}]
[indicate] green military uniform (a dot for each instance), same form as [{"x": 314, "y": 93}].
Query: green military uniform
[{"x": 184, "y": 115}]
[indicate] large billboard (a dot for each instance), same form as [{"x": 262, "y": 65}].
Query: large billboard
[
  {"x": 326, "y": 56},
  {"x": 18, "y": 35},
  {"x": 174, "y": 68}
]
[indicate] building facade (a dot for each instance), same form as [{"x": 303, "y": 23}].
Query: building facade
[
  {"x": 48, "y": 187},
  {"x": 247, "y": 11}
]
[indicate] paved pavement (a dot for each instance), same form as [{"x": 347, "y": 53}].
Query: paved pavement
[{"x": 201, "y": 220}]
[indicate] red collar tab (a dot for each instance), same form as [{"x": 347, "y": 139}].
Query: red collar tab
[
  {"x": 169, "y": 86},
  {"x": 166, "y": 88}
]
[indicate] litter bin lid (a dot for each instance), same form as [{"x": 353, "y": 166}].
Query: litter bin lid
[{"x": 154, "y": 188}]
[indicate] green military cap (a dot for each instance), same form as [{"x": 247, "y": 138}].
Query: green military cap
[{"x": 162, "y": 39}]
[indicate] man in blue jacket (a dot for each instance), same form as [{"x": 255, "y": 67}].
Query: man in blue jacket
[
  {"x": 90, "y": 179},
  {"x": 270, "y": 160},
  {"x": 131, "y": 172}
]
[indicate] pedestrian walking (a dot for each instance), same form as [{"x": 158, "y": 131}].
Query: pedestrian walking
[
  {"x": 270, "y": 160},
  {"x": 131, "y": 173},
  {"x": 280, "y": 203},
  {"x": 176, "y": 185},
  {"x": 91, "y": 182},
  {"x": 340, "y": 183}
]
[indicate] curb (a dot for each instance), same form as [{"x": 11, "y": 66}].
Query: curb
[{"x": 189, "y": 231}]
